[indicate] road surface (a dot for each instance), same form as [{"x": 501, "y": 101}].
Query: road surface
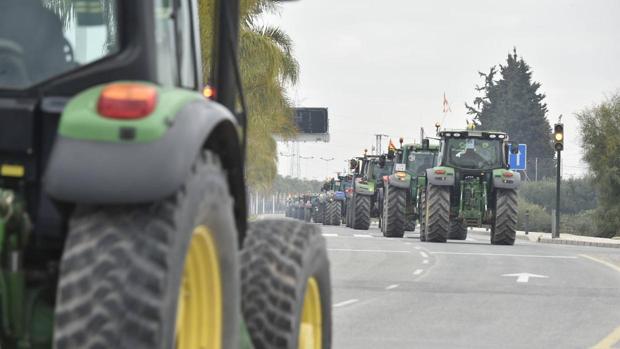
[{"x": 403, "y": 293}]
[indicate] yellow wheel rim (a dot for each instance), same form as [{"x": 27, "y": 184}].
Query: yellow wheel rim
[
  {"x": 311, "y": 327},
  {"x": 199, "y": 309}
]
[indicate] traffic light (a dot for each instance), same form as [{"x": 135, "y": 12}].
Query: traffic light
[{"x": 558, "y": 136}]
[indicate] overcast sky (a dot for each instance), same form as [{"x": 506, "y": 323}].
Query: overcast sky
[{"x": 383, "y": 66}]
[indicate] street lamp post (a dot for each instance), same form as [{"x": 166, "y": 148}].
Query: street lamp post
[
  {"x": 327, "y": 160},
  {"x": 306, "y": 165},
  {"x": 291, "y": 162}
]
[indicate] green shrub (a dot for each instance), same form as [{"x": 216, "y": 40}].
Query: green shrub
[
  {"x": 539, "y": 219},
  {"x": 577, "y": 194}
]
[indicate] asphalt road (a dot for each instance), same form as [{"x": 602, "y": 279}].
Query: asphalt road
[{"x": 403, "y": 293}]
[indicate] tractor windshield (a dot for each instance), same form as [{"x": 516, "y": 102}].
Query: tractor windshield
[
  {"x": 417, "y": 163},
  {"x": 40, "y": 39},
  {"x": 474, "y": 153},
  {"x": 378, "y": 171}
]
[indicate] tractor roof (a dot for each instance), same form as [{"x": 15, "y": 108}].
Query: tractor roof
[
  {"x": 418, "y": 147},
  {"x": 473, "y": 133}
]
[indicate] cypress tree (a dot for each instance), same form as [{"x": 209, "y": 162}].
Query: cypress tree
[{"x": 513, "y": 104}]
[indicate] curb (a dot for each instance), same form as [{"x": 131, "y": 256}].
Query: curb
[{"x": 577, "y": 242}]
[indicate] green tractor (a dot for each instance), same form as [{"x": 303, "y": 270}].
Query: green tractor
[
  {"x": 472, "y": 186},
  {"x": 399, "y": 211},
  {"x": 122, "y": 192},
  {"x": 367, "y": 196}
]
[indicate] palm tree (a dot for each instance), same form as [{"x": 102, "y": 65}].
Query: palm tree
[{"x": 267, "y": 68}]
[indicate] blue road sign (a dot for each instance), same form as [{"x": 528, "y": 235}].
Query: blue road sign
[{"x": 518, "y": 161}]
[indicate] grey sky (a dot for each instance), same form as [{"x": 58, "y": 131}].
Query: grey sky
[{"x": 383, "y": 66}]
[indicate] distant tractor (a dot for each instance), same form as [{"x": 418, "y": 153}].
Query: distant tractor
[
  {"x": 331, "y": 201},
  {"x": 368, "y": 190},
  {"x": 400, "y": 198},
  {"x": 472, "y": 186}
]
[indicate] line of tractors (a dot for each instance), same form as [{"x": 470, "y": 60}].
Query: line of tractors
[{"x": 443, "y": 184}]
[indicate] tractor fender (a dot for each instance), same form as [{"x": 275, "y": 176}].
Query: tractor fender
[
  {"x": 447, "y": 178},
  {"x": 124, "y": 172},
  {"x": 500, "y": 181},
  {"x": 397, "y": 182}
]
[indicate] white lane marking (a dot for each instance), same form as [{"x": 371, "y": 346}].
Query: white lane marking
[
  {"x": 391, "y": 287},
  {"x": 614, "y": 267},
  {"x": 505, "y": 255},
  {"x": 329, "y": 234},
  {"x": 423, "y": 254},
  {"x": 347, "y": 302},
  {"x": 362, "y": 235},
  {"x": 356, "y": 250},
  {"x": 425, "y": 261},
  {"x": 418, "y": 271},
  {"x": 525, "y": 277},
  {"x": 418, "y": 247}
]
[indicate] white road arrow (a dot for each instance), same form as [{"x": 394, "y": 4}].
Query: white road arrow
[{"x": 525, "y": 277}]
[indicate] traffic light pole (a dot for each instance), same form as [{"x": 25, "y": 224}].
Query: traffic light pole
[{"x": 558, "y": 180}]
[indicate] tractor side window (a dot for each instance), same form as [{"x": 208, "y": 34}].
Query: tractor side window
[
  {"x": 187, "y": 66},
  {"x": 165, "y": 38}
]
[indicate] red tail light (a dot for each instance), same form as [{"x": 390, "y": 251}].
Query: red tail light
[
  {"x": 508, "y": 174},
  {"x": 440, "y": 172},
  {"x": 127, "y": 101}
]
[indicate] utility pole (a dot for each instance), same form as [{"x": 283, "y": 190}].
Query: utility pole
[
  {"x": 378, "y": 139},
  {"x": 290, "y": 156},
  {"x": 558, "y": 137},
  {"x": 327, "y": 160},
  {"x": 305, "y": 165}
]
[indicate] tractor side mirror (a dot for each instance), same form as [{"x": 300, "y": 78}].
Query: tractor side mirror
[{"x": 514, "y": 148}]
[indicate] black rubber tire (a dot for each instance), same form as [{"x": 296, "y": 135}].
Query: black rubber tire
[
  {"x": 503, "y": 230},
  {"x": 410, "y": 223},
  {"x": 329, "y": 213},
  {"x": 337, "y": 214},
  {"x": 438, "y": 213},
  {"x": 278, "y": 258},
  {"x": 394, "y": 206},
  {"x": 422, "y": 201},
  {"x": 458, "y": 230},
  {"x": 121, "y": 268},
  {"x": 361, "y": 212}
]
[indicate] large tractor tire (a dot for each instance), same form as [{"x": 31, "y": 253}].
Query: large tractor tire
[
  {"x": 337, "y": 215},
  {"x": 394, "y": 206},
  {"x": 410, "y": 223},
  {"x": 458, "y": 230},
  {"x": 329, "y": 213},
  {"x": 286, "y": 290},
  {"x": 503, "y": 230},
  {"x": 361, "y": 212},
  {"x": 438, "y": 213},
  {"x": 159, "y": 275},
  {"x": 422, "y": 201}
]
